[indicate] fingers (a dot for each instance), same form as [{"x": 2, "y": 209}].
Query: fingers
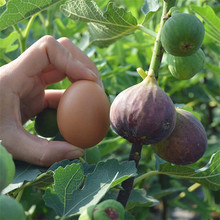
[
  {"x": 78, "y": 54},
  {"x": 52, "y": 98},
  {"x": 39, "y": 151},
  {"x": 81, "y": 56},
  {"x": 46, "y": 52}
]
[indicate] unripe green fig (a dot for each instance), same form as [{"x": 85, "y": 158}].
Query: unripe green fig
[
  {"x": 182, "y": 34},
  {"x": 186, "y": 144},
  {"x": 143, "y": 113},
  {"x": 186, "y": 67},
  {"x": 87, "y": 214},
  {"x": 46, "y": 123},
  {"x": 92, "y": 155},
  {"x": 10, "y": 209},
  {"x": 109, "y": 210},
  {"x": 7, "y": 168}
]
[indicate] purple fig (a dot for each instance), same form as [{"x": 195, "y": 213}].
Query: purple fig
[
  {"x": 143, "y": 113},
  {"x": 186, "y": 144}
]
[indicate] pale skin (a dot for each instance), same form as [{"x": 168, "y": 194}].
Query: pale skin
[{"x": 23, "y": 96}]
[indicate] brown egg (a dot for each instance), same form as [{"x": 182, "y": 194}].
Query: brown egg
[{"x": 83, "y": 114}]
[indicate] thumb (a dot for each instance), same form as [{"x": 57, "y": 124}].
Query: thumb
[{"x": 39, "y": 151}]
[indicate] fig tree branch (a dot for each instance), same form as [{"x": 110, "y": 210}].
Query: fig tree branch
[
  {"x": 158, "y": 49},
  {"x": 127, "y": 185}
]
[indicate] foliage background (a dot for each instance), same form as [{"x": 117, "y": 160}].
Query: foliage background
[{"x": 117, "y": 65}]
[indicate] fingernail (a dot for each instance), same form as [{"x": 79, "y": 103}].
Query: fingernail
[{"x": 74, "y": 154}]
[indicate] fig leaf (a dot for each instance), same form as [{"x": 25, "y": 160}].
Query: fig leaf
[
  {"x": 104, "y": 27},
  {"x": 70, "y": 195},
  {"x": 18, "y": 10},
  {"x": 209, "y": 175}
]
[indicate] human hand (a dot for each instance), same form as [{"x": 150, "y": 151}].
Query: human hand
[{"x": 23, "y": 96}]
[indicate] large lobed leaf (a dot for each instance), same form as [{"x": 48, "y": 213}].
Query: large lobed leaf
[
  {"x": 104, "y": 27},
  {"x": 17, "y": 10},
  {"x": 66, "y": 196},
  {"x": 208, "y": 175},
  {"x": 211, "y": 19}
]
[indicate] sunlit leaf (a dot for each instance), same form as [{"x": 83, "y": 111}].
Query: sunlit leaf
[
  {"x": 150, "y": 5},
  {"x": 104, "y": 27},
  {"x": 17, "y": 10},
  {"x": 211, "y": 19}
]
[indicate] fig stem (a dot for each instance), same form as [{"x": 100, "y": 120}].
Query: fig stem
[
  {"x": 158, "y": 49},
  {"x": 141, "y": 72},
  {"x": 127, "y": 185}
]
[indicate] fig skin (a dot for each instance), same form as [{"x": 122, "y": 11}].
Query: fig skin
[
  {"x": 109, "y": 210},
  {"x": 143, "y": 113},
  {"x": 186, "y": 144},
  {"x": 186, "y": 67},
  {"x": 182, "y": 34}
]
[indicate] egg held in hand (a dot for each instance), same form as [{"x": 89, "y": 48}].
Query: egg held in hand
[{"x": 83, "y": 114}]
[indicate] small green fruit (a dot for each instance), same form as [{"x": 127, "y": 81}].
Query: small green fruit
[
  {"x": 186, "y": 144},
  {"x": 186, "y": 67},
  {"x": 92, "y": 155},
  {"x": 10, "y": 209},
  {"x": 109, "y": 210},
  {"x": 7, "y": 168},
  {"x": 87, "y": 214},
  {"x": 46, "y": 123},
  {"x": 182, "y": 34}
]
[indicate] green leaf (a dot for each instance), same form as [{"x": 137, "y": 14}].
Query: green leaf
[
  {"x": 68, "y": 197},
  {"x": 104, "y": 27},
  {"x": 150, "y": 5},
  {"x": 2, "y": 2},
  {"x": 208, "y": 175},
  {"x": 139, "y": 197},
  {"x": 212, "y": 20},
  {"x": 148, "y": 17},
  {"x": 7, "y": 44},
  {"x": 17, "y": 10},
  {"x": 24, "y": 172}
]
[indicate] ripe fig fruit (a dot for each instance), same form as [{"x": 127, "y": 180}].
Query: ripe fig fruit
[
  {"x": 109, "y": 210},
  {"x": 143, "y": 113},
  {"x": 46, "y": 123},
  {"x": 186, "y": 67},
  {"x": 87, "y": 213},
  {"x": 7, "y": 168},
  {"x": 186, "y": 144},
  {"x": 182, "y": 34}
]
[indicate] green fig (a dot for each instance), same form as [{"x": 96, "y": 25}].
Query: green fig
[
  {"x": 109, "y": 210},
  {"x": 87, "y": 213},
  {"x": 92, "y": 155},
  {"x": 7, "y": 168},
  {"x": 10, "y": 209},
  {"x": 186, "y": 67},
  {"x": 46, "y": 123},
  {"x": 182, "y": 34}
]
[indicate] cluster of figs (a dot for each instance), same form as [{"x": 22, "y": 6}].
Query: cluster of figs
[
  {"x": 145, "y": 114},
  {"x": 182, "y": 36}
]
